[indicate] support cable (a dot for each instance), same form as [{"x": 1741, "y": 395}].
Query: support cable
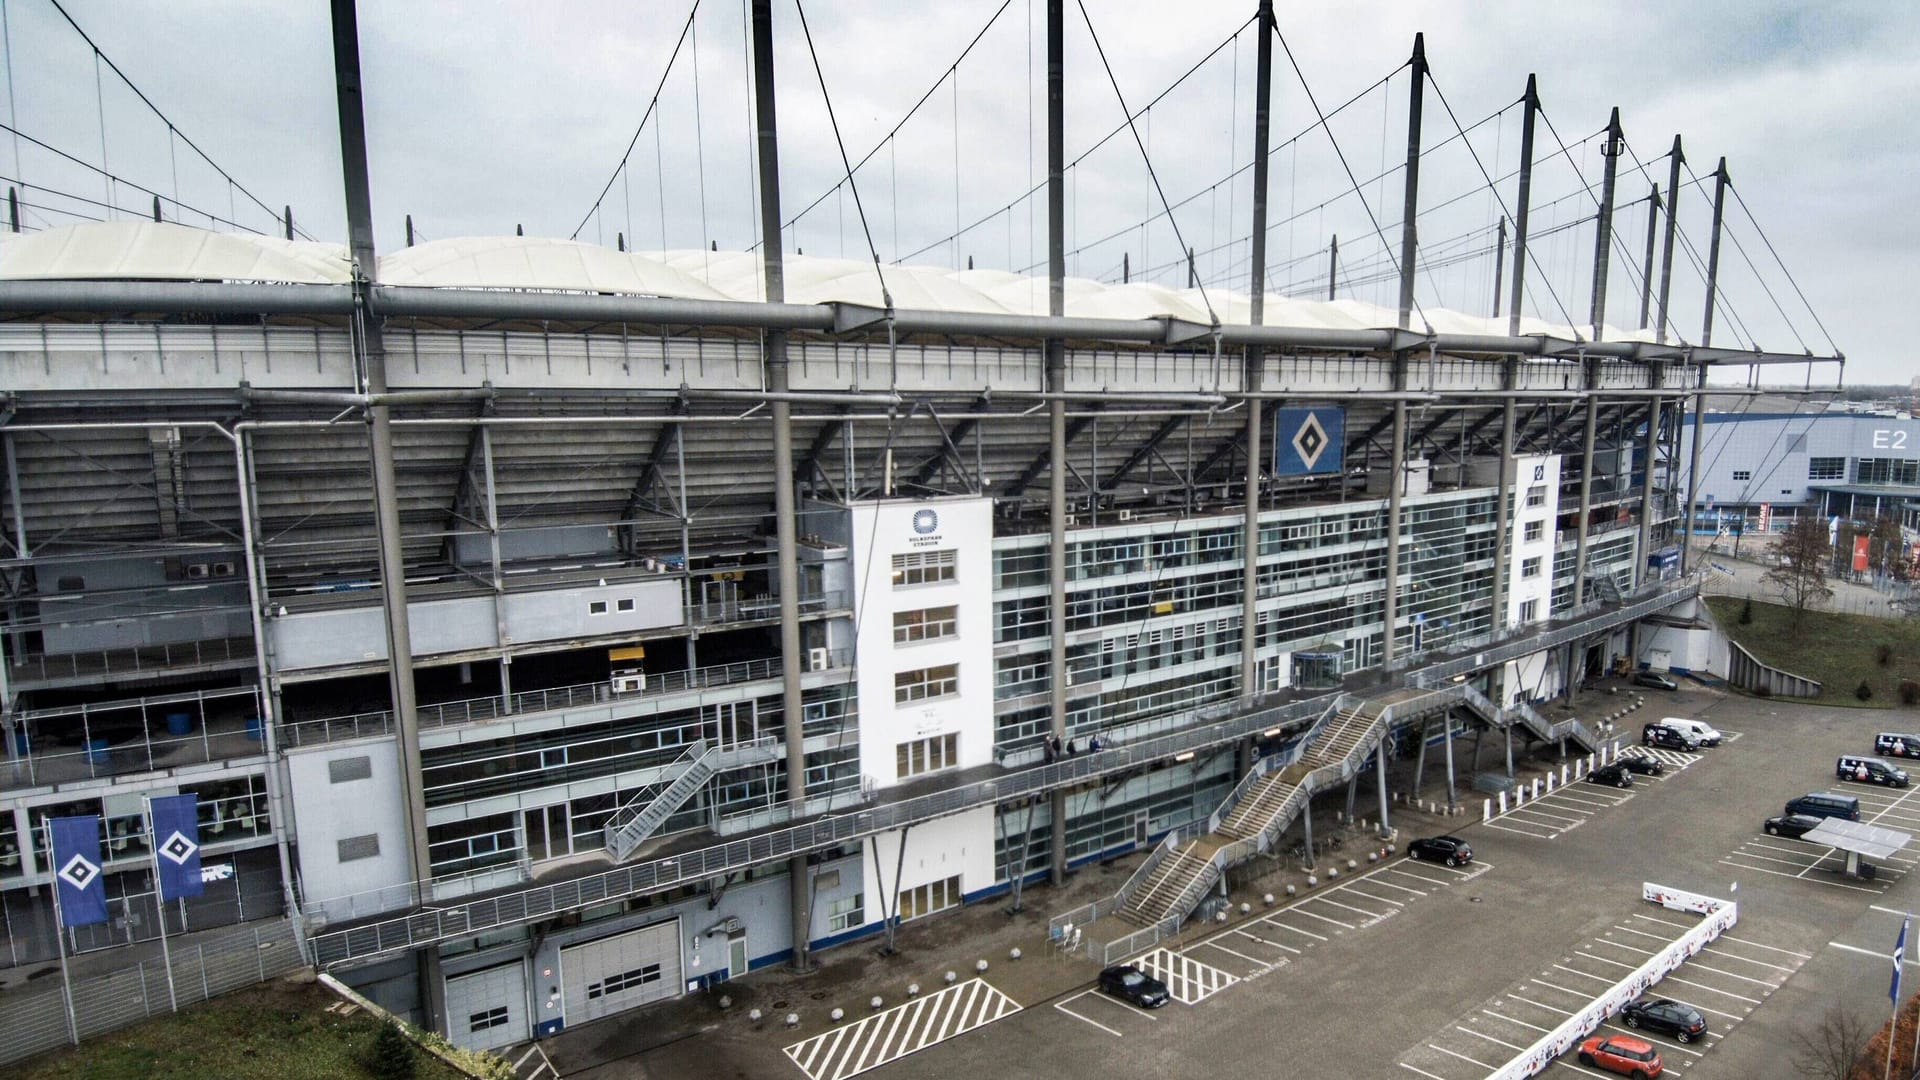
[
  {"x": 1615, "y": 241},
  {"x": 1341, "y": 154},
  {"x": 652, "y": 104},
  {"x": 1783, "y": 267},
  {"x": 101, "y": 57},
  {"x": 124, "y": 182},
  {"x": 1145, "y": 157}
]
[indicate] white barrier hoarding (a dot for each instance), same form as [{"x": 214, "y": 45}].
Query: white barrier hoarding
[{"x": 1720, "y": 915}]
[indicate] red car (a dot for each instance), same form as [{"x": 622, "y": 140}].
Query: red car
[{"x": 1623, "y": 1054}]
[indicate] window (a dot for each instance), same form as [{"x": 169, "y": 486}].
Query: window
[
  {"x": 929, "y": 898},
  {"x": 1529, "y": 611},
  {"x": 923, "y": 684},
  {"x": 625, "y": 980},
  {"x": 492, "y": 1018},
  {"x": 1886, "y": 470},
  {"x": 924, "y": 568},
  {"x": 1536, "y": 530},
  {"x": 925, "y": 624},
  {"x": 1742, "y": 475},
  {"x": 1530, "y": 568},
  {"x": 1826, "y": 468},
  {"x": 845, "y": 914},
  {"x": 926, "y": 755},
  {"x": 596, "y": 607},
  {"x": 624, "y": 604},
  {"x": 343, "y": 770},
  {"x": 1537, "y": 495},
  {"x": 359, "y": 847}
]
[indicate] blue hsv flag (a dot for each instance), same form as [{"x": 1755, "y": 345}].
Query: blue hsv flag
[
  {"x": 1899, "y": 958},
  {"x": 76, "y": 870},
  {"x": 176, "y": 845}
]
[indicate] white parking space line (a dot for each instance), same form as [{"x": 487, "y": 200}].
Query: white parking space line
[
  {"x": 1778, "y": 873},
  {"x": 1322, "y": 918},
  {"x": 1495, "y": 824},
  {"x": 1871, "y": 952},
  {"x": 1297, "y": 930},
  {"x": 1463, "y": 1057},
  {"x": 1062, "y": 1006},
  {"x": 1422, "y": 1072},
  {"x": 875, "y": 1040},
  {"x": 1255, "y": 961},
  {"x": 1489, "y": 1038},
  {"x": 1264, "y": 941},
  {"x": 1376, "y": 879},
  {"x": 1188, "y": 980},
  {"x": 1712, "y": 990},
  {"x": 1583, "y": 974},
  {"x": 1770, "y": 948},
  {"x": 1370, "y": 896},
  {"x": 1517, "y": 1023},
  {"x": 1369, "y": 913},
  {"x": 1577, "y": 817}
]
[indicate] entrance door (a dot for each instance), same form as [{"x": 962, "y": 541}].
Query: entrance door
[
  {"x": 736, "y": 954},
  {"x": 547, "y": 837}
]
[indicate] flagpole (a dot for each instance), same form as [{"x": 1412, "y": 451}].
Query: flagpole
[
  {"x": 1914, "y": 1060},
  {"x": 60, "y": 939},
  {"x": 159, "y": 900}
]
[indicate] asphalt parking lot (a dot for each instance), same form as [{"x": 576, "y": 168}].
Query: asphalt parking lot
[{"x": 1363, "y": 976}]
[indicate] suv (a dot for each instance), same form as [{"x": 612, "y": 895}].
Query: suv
[
  {"x": 1616, "y": 774},
  {"x": 1683, "y": 1022},
  {"x": 1451, "y": 850},
  {"x": 1671, "y": 737},
  {"x": 1655, "y": 680}
]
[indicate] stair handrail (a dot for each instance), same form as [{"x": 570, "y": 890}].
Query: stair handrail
[{"x": 675, "y": 769}]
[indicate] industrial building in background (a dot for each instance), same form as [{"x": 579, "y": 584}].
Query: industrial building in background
[{"x": 547, "y": 630}]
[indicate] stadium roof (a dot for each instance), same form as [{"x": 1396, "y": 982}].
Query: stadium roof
[{"x": 163, "y": 251}]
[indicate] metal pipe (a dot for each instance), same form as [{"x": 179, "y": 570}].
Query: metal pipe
[
  {"x": 1693, "y": 474},
  {"x": 1333, "y": 266},
  {"x": 1408, "y": 229},
  {"x": 1504, "y": 499},
  {"x": 1675, "y": 159},
  {"x": 1720, "y": 182},
  {"x": 351, "y": 400},
  {"x": 1394, "y": 496},
  {"x": 1646, "y": 276},
  {"x": 1648, "y": 451},
  {"x": 1531, "y": 99},
  {"x": 1499, "y": 263},
  {"x": 1586, "y": 503},
  {"x": 775, "y": 359},
  {"x": 1056, "y": 350},
  {"x": 1603, "y": 232},
  {"x": 1255, "y": 362}
]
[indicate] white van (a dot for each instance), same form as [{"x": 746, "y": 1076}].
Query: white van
[{"x": 1699, "y": 729}]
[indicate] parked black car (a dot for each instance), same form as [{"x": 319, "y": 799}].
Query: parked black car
[
  {"x": 1791, "y": 826},
  {"x": 1615, "y": 774},
  {"x": 1451, "y": 850},
  {"x": 1670, "y": 737},
  {"x": 1654, "y": 680},
  {"x": 1646, "y": 766},
  {"x": 1133, "y": 986},
  {"x": 1683, "y": 1022}
]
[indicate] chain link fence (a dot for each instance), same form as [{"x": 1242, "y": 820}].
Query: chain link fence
[{"x": 35, "y": 1018}]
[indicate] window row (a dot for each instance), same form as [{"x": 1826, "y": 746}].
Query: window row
[
  {"x": 922, "y": 756},
  {"x": 929, "y": 898},
  {"x": 925, "y": 624},
  {"x": 925, "y": 684},
  {"x": 924, "y": 567}
]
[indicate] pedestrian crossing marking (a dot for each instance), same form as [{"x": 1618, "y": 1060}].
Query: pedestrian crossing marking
[
  {"x": 873, "y": 1041},
  {"x": 1189, "y": 981}
]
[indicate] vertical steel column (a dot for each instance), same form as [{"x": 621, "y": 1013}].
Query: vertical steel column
[
  {"x": 1646, "y": 277},
  {"x": 1504, "y": 501},
  {"x": 1675, "y": 159},
  {"x": 493, "y": 562},
  {"x": 1452, "y": 795},
  {"x": 1603, "y": 233},
  {"x": 1532, "y": 105},
  {"x": 1256, "y": 362},
  {"x": 1720, "y": 182},
  {"x": 1057, "y": 422},
  {"x": 775, "y": 359},
  {"x": 1408, "y": 239},
  {"x": 1333, "y": 266},
  {"x": 1380, "y": 782},
  {"x": 371, "y": 355},
  {"x": 1499, "y": 263},
  {"x": 1693, "y": 470},
  {"x": 1647, "y": 452},
  {"x": 1586, "y": 491},
  {"x": 1389, "y": 647}
]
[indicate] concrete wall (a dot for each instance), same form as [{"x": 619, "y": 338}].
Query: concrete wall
[
  {"x": 960, "y": 845},
  {"x": 328, "y": 812}
]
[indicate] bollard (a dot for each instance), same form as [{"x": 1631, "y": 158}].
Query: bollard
[
  {"x": 726, "y": 1002},
  {"x": 1014, "y": 953},
  {"x": 1563, "y": 773},
  {"x": 837, "y": 1015},
  {"x": 1503, "y": 802},
  {"x": 980, "y": 966},
  {"x": 1536, "y": 787},
  {"x": 793, "y": 1020},
  {"x": 1267, "y": 899},
  {"x": 1373, "y": 856},
  {"x": 951, "y": 977},
  {"x": 1245, "y": 908},
  {"x": 1332, "y": 872},
  {"x": 913, "y": 990},
  {"x": 1220, "y": 916},
  {"x": 875, "y": 1002},
  {"x": 1291, "y": 891},
  {"x": 1549, "y": 782},
  {"x": 1311, "y": 881},
  {"x": 754, "y": 1016}
]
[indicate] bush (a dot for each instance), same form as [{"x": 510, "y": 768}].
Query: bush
[
  {"x": 391, "y": 1057},
  {"x": 1863, "y": 692},
  {"x": 1746, "y": 612},
  {"x": 1885, "y": 654},
  {"x": 1909, "y": 692}
]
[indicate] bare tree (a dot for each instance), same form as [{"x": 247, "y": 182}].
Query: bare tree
[
  {"x": 1800, "y": 577},
  {"x": 1828, "y": 1050}
]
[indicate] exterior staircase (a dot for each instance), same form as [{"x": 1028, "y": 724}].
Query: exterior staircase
[
  {"x": 1528, "y": 717},
  {"x": 1171, "y": 883},
  {"x": 646, "y": 812}
]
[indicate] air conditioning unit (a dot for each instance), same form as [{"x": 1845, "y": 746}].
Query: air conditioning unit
[
  {"x": 223, "y": 569},
  {"x": 1126, "y": 515},
  {"x": 816, "y": 659},
  {"x": 197, "y": 570},
  {"x": 1072, "y": 520},
  {"x": 628, "y": 682}
]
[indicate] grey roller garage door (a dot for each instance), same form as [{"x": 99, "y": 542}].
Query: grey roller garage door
[
  {"x": 620, "y": 972},
  {"x": 488, "y": 1009}
]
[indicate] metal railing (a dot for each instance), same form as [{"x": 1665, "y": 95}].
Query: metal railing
[
  {"x": 1581, "y": 623},
  {"x": 34, "y": 1017},
  {"x": 149, "y": 658},
  {"x": 647, "y": 811},
  {"x": 579, "y": 695}
]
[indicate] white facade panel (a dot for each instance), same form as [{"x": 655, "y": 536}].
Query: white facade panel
[
  {"x": 923, "y": 530},
  {"x": 1533, "y": 475},
  {"x": 960, "y": 846},
  {"x": 331, "y": 813}
]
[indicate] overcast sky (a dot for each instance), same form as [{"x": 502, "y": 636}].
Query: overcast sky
[{"x": 482, "y": 117}]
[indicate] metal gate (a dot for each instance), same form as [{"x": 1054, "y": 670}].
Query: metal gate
[
  {"x": 488, "y": 1009},
  {"x": 621, "y": 972}
]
